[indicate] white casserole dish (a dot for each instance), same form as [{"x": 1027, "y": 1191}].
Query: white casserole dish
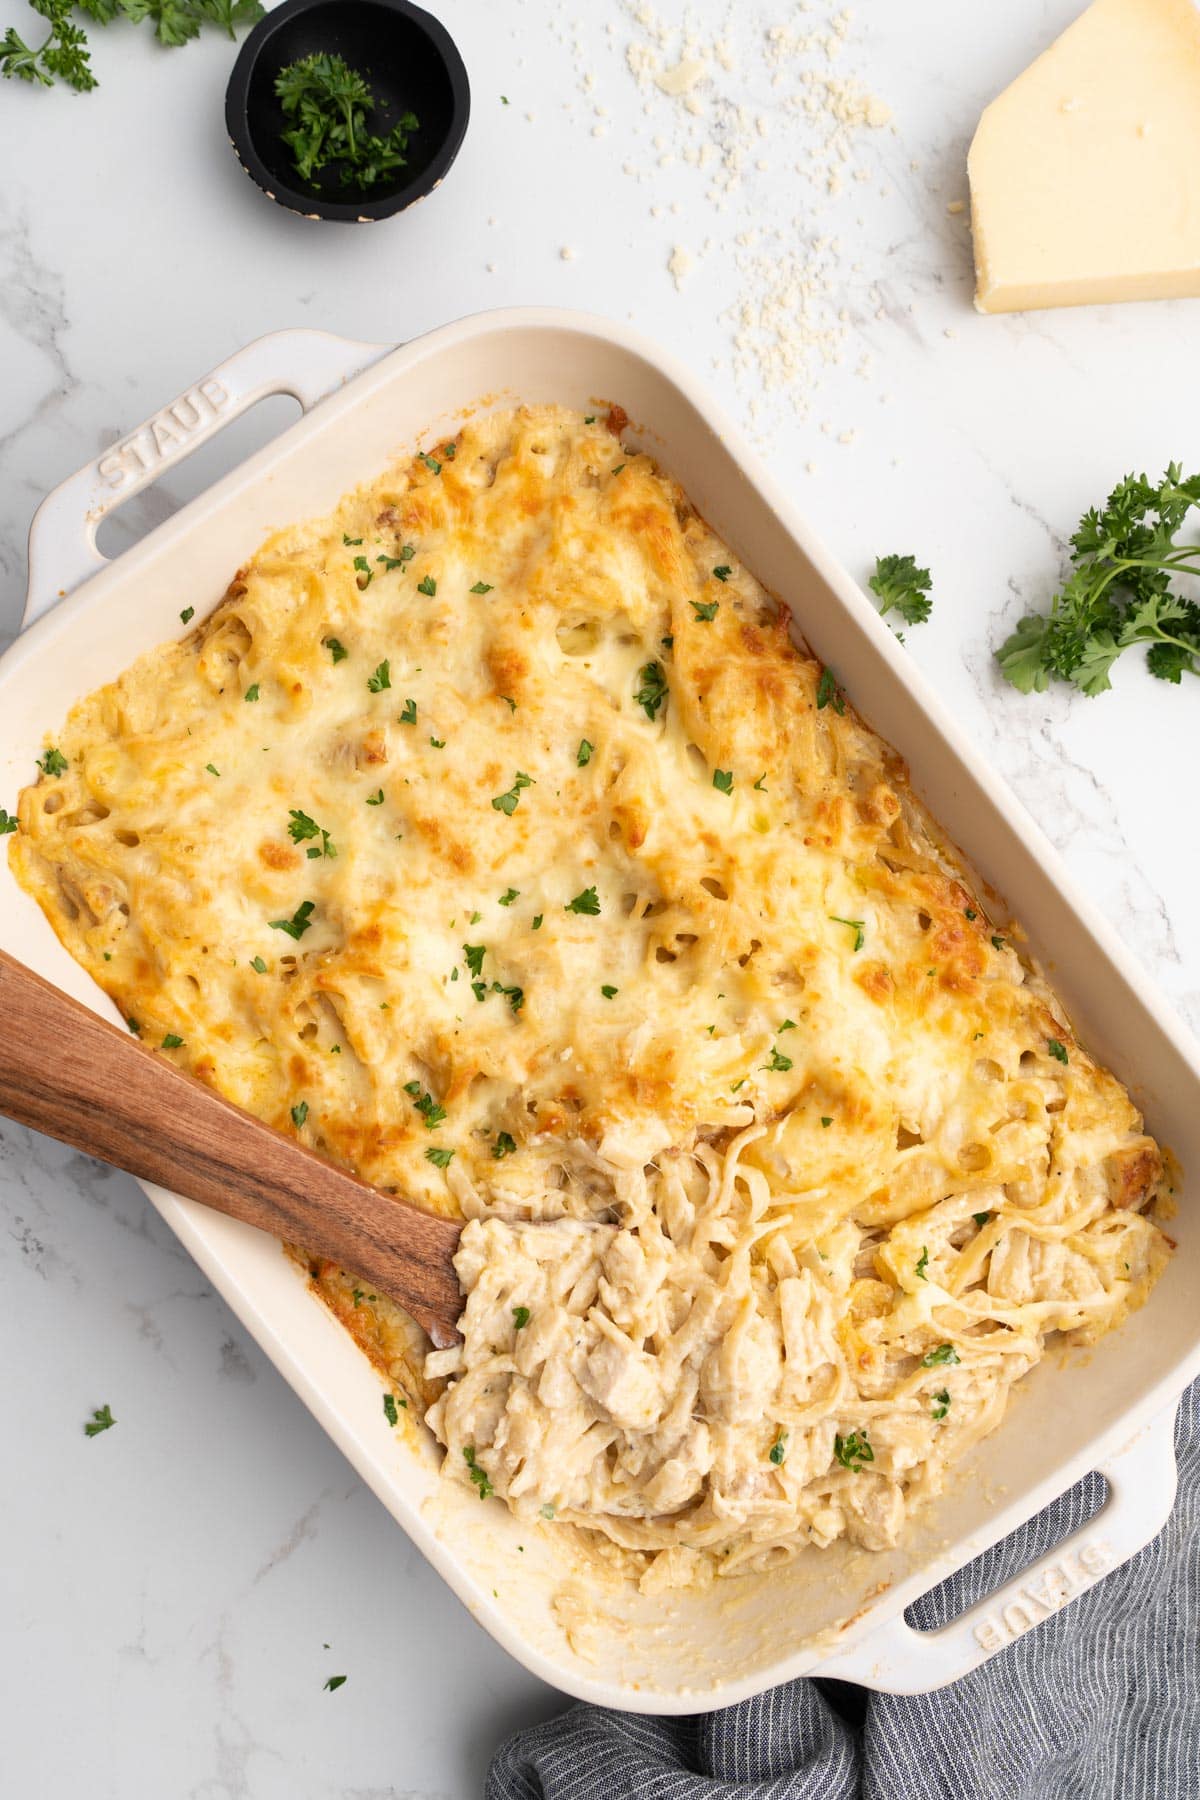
[{"x": 839, "y": 1611}]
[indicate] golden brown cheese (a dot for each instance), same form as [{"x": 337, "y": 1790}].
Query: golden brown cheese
[{"x": 493, "y": 836}]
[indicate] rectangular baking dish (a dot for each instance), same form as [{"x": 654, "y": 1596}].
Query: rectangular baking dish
[{"x": 839, "y": 1611}]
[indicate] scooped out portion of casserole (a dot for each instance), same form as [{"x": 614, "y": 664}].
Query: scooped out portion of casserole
[{"x": 493, "y": 837}]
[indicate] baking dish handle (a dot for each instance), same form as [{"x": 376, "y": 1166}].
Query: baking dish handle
[
  {"x": 896, "y": 1659},
  {"x": 62, "y": 539}
]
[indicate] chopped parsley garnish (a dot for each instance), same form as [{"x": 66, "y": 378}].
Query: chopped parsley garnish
[
  {"x": 610, "y": 993},
  {"x": 857, "y": 926},
  {"x": 997, "y": 943},
  {"x": 441, "y": 1159},
  {"x": 508, "y": 803},
  {"x": 981, "y": 1219},
  {"x": 618, "y": 468},
  {"x": 382, "y": 678},
  {"x": 427, "y": 586},
  {"x": 409, "y": 715},
  {"x": 668, "y": 642},
  {"x": 299, "y": 922},
  {"x": 473, "y": 955},
  {"x": 336, "y": 648},
  {"x": 212, "y": 770},
  {"x": 826, "y": 1121},
  {"x": 652, "y": 693},
  {"x": 923, "y": 1264},
  {"x": 257, "y": 963},
  {"x": 944, "y": 1353},
  {"x": 587, "y": 902},
  {"x": 478, "y": 1475},
  {"x": 134, "y": 1027},
  {"x": 705, "y": 610},
  {"x": 251, "y": 692},
  {"x": 375, "y": 799},
  {"x": 829, "y": 693},
  {"x": 722, "y": 571},
  {"x": 366, "y": 573},
  {"x": 299, "y": 1113},
  {"x": 853, "y": 1450},
  {"x": 101, "y": 1420},
  {"x": 899, "y": 584},
  {"x": 431, "y": 463},
  {"x": 514, "y": 995},
  {"x": 760, "y": 786},
  {"x": 426, "y": 1105},
  {"x": 537, "y": 922},
  {"x": 778, "y": 1451},
  {"x": 188, "y": 613},
  {"x": 778, "y": 1065},
  {"x": 389, "y": 1406},
  {"x": 1057, "y": 1050},
  {"x": 482, "y": 587},
  {"x": 349, "y": 540},
  {"x": 583, "y": 755},
  {"x": 521, "y": 1316},
  {"x": 334, "y": 1683},
  {"x": 509, "y": 702},
  {"x": 302, "y": 828},
  {"x": 507, "y": 899},
  {"x": 723, "y": 780},
  {"x": 53, "y": 763},
  {"x": 503, "y": 1146},
  {"x": 449, "y": 451},
  {"x": 8, "y": 822},
  {"x": 437, "y": 743},
  {"x": 172, "y": 1042},
  {"x": 941, "y": 1404},
  {"x": 970, "y": 913},
  {"x": 788, "y": 1025}
]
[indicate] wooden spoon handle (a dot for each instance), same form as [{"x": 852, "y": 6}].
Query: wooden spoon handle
[{"x": 69, "y": 1073}]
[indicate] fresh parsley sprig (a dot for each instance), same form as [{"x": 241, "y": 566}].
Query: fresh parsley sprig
[
  {"x": 902, "y": 587},
  {"x": 64, "y": 54},
  {"x": 1120, "y": 593},
  {"x": 328, "y": 103}
]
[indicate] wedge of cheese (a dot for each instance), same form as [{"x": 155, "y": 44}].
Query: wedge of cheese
[{"x": 1085, "y": 173}]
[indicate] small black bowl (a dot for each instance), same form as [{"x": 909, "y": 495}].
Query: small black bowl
[{"x": 411, "y": 64}]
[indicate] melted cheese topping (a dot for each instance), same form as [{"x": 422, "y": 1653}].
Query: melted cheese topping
[{"x": 493, "y": 836}]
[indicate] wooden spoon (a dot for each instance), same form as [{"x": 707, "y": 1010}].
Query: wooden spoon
[{"x": 70, "y": 1074}]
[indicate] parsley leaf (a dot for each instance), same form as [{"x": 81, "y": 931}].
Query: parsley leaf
[
  {"x": 779, "y": 1064},
  {"x": 426, "y": 1105},
  {"x": 1118, "y": 595},
  {"x": 375, "y": 799},
  {"x": 299, "y": 1113},
  {"x": 101, "y": 1420},
  {"x": 586, "y": 902},
  {"x": 583, "y": 755},
  {"x": 336, "y": 649},
  {"x": 722, "y": 571},
  {"x": 778, "y": 1451},
  {"x": 53, "y": 763},
  {"x": 172, "y": 1042},
  {"x": 427, "y": 586},
  {"x": 508, "y": 803},
  {"x": 251, "y": 693},
  {"x": 901, "y": 585},
  {"x": 299, "y": 922},
  {"x": 653, "y": 692},
  {"x": 705, "y": 610},
  {"x": 853, "y": 1450},
  {"x": 8, "y": 822},
  {"x": 503, "y": 1146},
  {"x": 941, "y": 1404},
  {"x": 482, "y": 587},
  {"x": 723, "y": 780},
  {"x": 922, "y": 1264},
  {"x": 934, "y": 1359},
  {"x": 389, "y": 1409},
  {"x": 507, "y": 898},
  {"x": 257, "y": 963},
  {"x": 409, "y": 715},
  {"x": 63, "y": 52},
  {"x": 334, "y": 1683},
  {"x": 857, "y": 926},
  {"x": 478, "y": 1475},
  {"x": 1057, "y": 1050},
  {"x": 382, "y": 678},
  {"x": 187, "y": 615},
  {"x": 441, "y": 1159},
  {"x": 828, "y": 693},
  {"x": 327, "y": 104},
  {"x": 303, "y": 828},
  {"x": 521, "y": 1317},
  {"x": 610, "y": 993}
]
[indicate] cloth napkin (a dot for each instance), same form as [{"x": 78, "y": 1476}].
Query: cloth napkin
[{"x": 1102, "y": 1699}]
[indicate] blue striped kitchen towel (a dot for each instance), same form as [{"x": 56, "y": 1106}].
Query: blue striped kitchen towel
[{"x": 1100, "y": 1701}]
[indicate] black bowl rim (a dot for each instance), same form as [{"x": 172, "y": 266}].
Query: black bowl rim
[{"x": 314, "y": 206}]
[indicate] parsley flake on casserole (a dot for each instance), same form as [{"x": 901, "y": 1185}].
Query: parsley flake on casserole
[{"x": 493, "y": 837}]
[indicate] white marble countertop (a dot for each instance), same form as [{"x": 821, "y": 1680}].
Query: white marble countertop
[{"x": 169, "y": 1590}]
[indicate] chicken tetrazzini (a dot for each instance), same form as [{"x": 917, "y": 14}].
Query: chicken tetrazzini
[{"x": 493, "y": 837}]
